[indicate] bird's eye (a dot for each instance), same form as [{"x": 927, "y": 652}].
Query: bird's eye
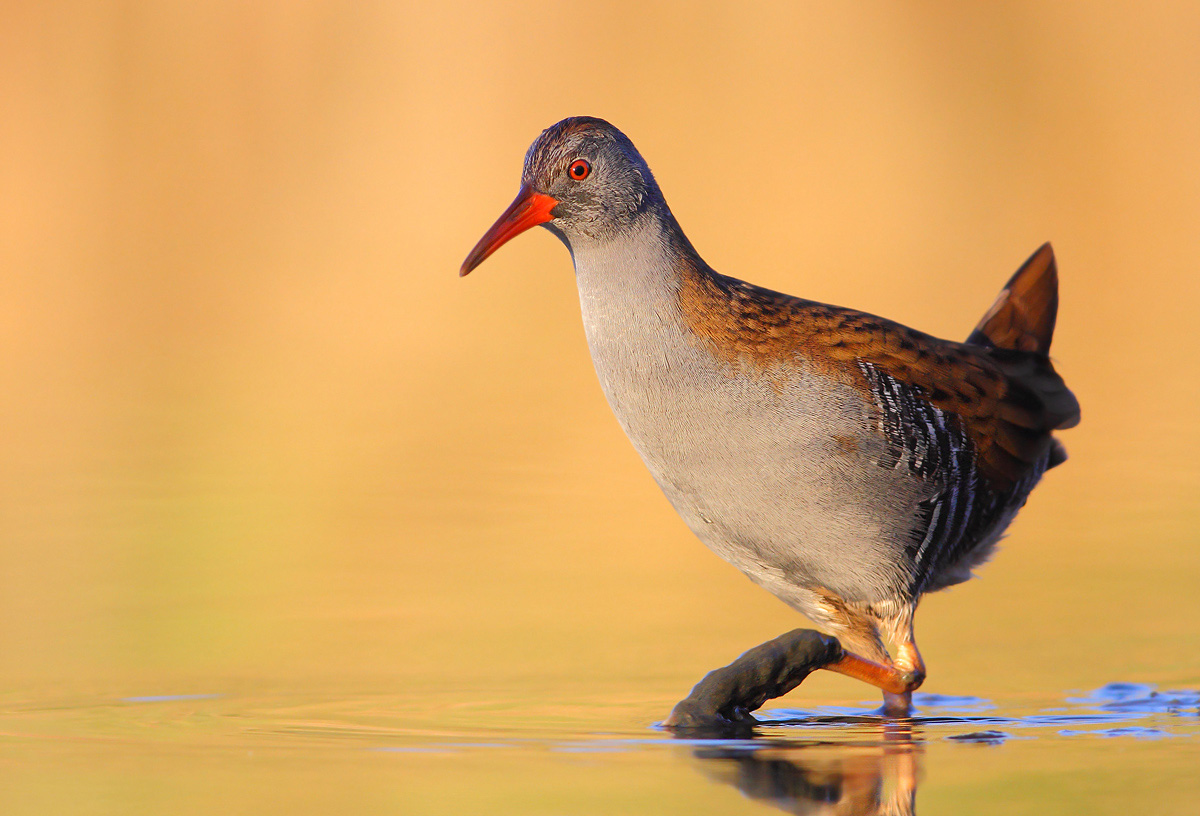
[{"x": 579, "y": 170}]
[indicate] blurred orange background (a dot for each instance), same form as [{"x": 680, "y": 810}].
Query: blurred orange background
[{"x": 257, "y": 430}]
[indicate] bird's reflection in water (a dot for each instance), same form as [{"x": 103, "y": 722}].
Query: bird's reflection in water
[{"x": 864, "y": 776}]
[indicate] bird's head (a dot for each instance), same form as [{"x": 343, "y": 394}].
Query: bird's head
[{"x": 583, "y": 180}]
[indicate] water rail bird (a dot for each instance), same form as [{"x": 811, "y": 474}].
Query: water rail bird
[{"x": 844, "y": 462}]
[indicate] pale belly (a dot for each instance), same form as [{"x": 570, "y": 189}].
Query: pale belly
[{"x": 777, "y": 474}]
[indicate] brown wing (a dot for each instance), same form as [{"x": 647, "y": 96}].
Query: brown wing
[{"x": 1008, "y": 401}]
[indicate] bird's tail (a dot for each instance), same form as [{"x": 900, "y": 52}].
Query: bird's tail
[
  {"x": 1022, "y": 321},
  {"x": 1022, "y": 318}
]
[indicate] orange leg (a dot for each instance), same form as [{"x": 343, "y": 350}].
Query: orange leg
[
  {"x": 898, "y": 681},
  {"x": 864, "y": 631},
  {"x": 889, "y": 678},
  {"x": 908, "y": 660}
]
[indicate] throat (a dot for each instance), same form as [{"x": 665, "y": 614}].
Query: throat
[
  {"x": 642, "y": 256},
  {"x": 628, "y": 284},
  {"x": 629, "y": 289}
]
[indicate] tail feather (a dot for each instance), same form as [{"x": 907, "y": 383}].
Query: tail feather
[
  {"x": 1017, "y": 330},
  {"x": 1022, "y": 318}
]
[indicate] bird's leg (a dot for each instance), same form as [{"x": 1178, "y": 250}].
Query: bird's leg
[
  {"x": 908, "y": 660},
  {"x": 897, "y": 705},
  {"x": 898, "y": 678},
  {"x": 892, "y": 679}
]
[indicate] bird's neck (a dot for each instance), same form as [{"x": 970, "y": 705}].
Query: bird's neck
[
  {"x": 629, "y": 295},
  {"x": 637, "y": 271}
]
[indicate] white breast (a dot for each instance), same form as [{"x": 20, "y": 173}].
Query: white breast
[{"x": 758, "y": 467}]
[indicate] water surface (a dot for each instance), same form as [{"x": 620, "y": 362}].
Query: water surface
[{"x": 198, "y": 752}]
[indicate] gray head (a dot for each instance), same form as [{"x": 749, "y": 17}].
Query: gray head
[
  {"x": 584, "y": 180},
  {"x": 595, "y": 173}
]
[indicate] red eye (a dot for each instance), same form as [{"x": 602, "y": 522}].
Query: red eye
[{"x": 579, "y": 170}]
